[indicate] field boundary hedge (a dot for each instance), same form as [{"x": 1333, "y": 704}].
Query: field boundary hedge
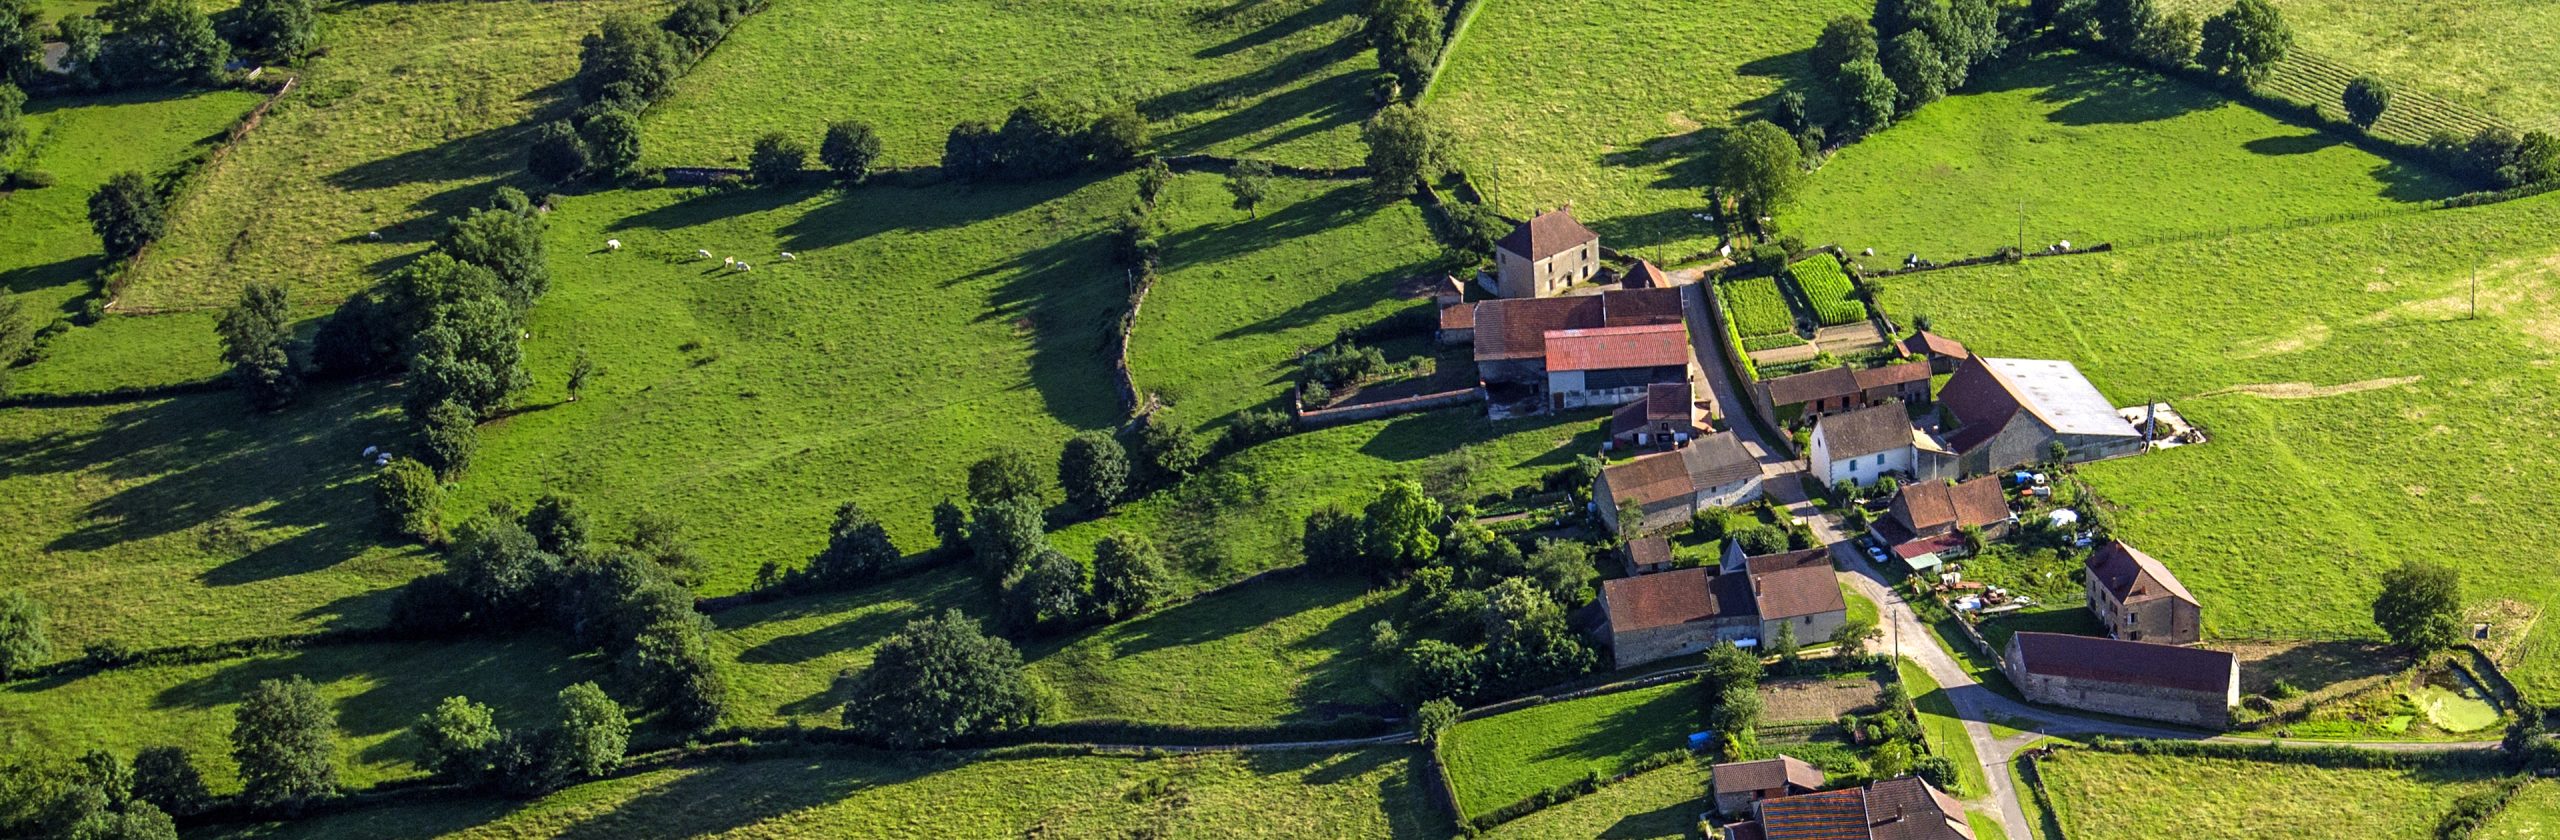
[
  {"x": 1560, "y": 794},
  {"x": 112, "y": 396}
]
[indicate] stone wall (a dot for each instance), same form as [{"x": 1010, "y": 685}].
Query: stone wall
[{"x": 1322, "y": 417}]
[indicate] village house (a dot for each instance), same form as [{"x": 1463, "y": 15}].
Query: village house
[
  {"x": 1861, "y": 446},
  {"x": 1643, "y": 275},
  {"x": 1943, "y": 354},
  {"x": 1544, "y": 255},
  {"x": 1457, "y": 324},
  {"x": 1903, "y": 808},
  {"x": 1510, "y": 336},
  {"x": 1669, "y": 487},
  {"x": 1742, "y": 784},
  {"x": 1614, "y": 365},
  {"x": 1646, "y": 555},
  {"x": 1906, "y": 382},
  {"x": 1684, "y": 611},
  {"x": 1926, "y": 509},
  {"x": 2012, "y": 412},
  {"x": 1814, "y": 393},
  {"x": 1670, "y": 414},
  {"x": 2138, "y": 600},
  {"x": 2191, "y": 686}
]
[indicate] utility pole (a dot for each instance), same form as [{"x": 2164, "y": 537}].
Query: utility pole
[
  {"x": 2022, "y": 228},
  {"x": 2475, "y": 289}
]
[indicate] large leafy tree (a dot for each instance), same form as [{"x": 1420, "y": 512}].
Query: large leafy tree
[
  {"x": 940, "y": 679},
  {"x": 1128, "y": 575},
  {"x": 849, "y": 150},
  {"x": 509, "y": 245},
  {"x": 284, "y": 738},
  {"x": 627, "y": 58},
  {"x": 1094, "y": 470},
  {"x": 1405, "y": 147},
  {"x": 456, "y": 739},
  {"x": 1406, "y": 35},
  {"x": 1918, "y": 69},
  {"x": 276, "y": 29},
  {"x": 21, "y": 42},
  {"x": 858, "y": 549},
  {"x": 1050, "y": 594},
  {"x": 126, "y": 214},
  {"x": 1397, "y": 528},
  {"x": 168, "y": 42},
  {"x": 470, "y": 355},
  {"x": 23, "y": 644},
  {"x": 1843, "y": 40},
  {"x": 1759, "y": 167},
  {"x": 2365, "y": 100},
  {"x": 775, "y": 159},
  {"x": 255, "y": 340},
  {"x": 2420, "y": 606},
  {"x": 1002, "y": 475},
  {"x": 1006, "y": 534},
  {"x": 593, "y": 732},
  {"x": 1867, "y": 96},
  {"x": 2245, "y": 41}
]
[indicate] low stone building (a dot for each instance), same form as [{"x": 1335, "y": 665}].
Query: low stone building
[
  {"x": 1742, "y": 784},
  {"x": 2138, "y": 600},
  {"x": 1669, "y": 487},
  {"x": 1510, "y": 336},
  {"x": 2191, "y": 686},
  {"x": 1926, "y": 510},
  {"x": 2011, "y": 412},
  {"x": 1669, "y": 415},
  {"x": 1615, "y": 365},
  {"x": 1814, "y": 393},
  {"x": 1943, "y": 354},
  {"x": 1646, "y": 555},
  {"x": 1545, "y": 255},
  {"x": 1685, "y": 611},
  {"x": 1862, "y": 446},
  {"x": 1906, "y": 382}
]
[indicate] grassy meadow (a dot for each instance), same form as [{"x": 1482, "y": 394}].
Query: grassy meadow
[
  {"x": 2359, "y": 414},
  {"x": 2088, "y": 147},
  {"x": 1658, "y": 804},
  {"x": 1285, "y": 80},
  {"x": 376, "y": 690},
  {"x": 1945, "y": 730},
  {"x": 194, "y": 519},
  {"x": 1610, "y": 104},
  {"x": 2107, "y": 796},
  {"x": 415, "y": 112},
  {"x": 2480, "y": 55},
  {"x": 1495, "y": 761},
  {"x": 1238, "y": 297},
  {"x": 2534, "y": 814},
  {"x": 1285, "y": 794}
]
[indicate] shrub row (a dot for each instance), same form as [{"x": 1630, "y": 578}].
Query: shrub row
[
  {"x": 2323, "y": 756},
  {"x": 1589, "y": 784}
]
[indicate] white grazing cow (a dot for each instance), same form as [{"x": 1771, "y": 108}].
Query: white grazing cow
[
  {"x": 745, "y": 267},
  {"x": 728, "y": 260},
  {"x": 786, "y": 256},
  {"x": 703, "y": 254},
  {"x": 613, "y": 244}
]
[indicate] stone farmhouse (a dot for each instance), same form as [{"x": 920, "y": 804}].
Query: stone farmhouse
[
  {"x": 1544, "y": 256},
  {"x": 1863, "y": 445},
  {"x": 1510, "y": 336},
  {"x": 2010, "y": 412},
  {"x": 1742, "y": 784},
  {"x": 1669, "y": 487},
  {"x": 1669, "y": 415},
  {"x": 2138, "y": 600},
  {"x": 1684, "y": 611},
  {"x": 1904, "y": 808},
  {"x": 1829, "y": 390},
  {"x": 1930, "y": 510},
  {"x": 2192, "y": 686}
]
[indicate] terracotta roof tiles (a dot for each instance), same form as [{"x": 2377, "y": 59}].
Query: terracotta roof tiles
[
  {"x": 1550, "y": 233},
  {"x": 1609, "y": 348}
]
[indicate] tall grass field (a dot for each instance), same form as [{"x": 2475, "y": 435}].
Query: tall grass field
[{"x": 2106, "y": 796}]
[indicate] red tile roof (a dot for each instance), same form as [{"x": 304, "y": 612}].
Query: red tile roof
[
  {"x": 1800, "y": 591},
  {"x": 1551, "y": 233},
  {"x": 1517, "y": 328},
  {"x": 1932, "y": 344},
  {"x": 1671, "y": 598},
  {"x": 1830, "y": 815},
  {"x": 1834, "y": 383},
  {"x": 1907, "y": 808},
  {"x": 1458, "y": 316},
  {"x": 1643, "y": 275},
  {"x": 1608, "y": 348},
  {"x": 2132, "y": 576},
  {"x": 1784, "y": 560},
  {"x": 2128, "y": 663},
  {"x": 1637, "y": 307},
  {"x": 1650, "y": 479},
  {"x": 1765, "y": 774},
  {"x": 1930, "y": 505},
  {"x": 1895, "y": 374}
]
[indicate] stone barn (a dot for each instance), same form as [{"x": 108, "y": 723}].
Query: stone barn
[
  {"x": 2010, "y": 412},
  {"x": 2191, "y": 686}
]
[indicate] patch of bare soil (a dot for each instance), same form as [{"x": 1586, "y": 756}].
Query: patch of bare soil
[{"x": 2306, "y": 390}]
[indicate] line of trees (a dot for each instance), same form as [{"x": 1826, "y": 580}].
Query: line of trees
[
  {"x": 462, "y": 743},
  {"x": 1048, "y": 137},
  {"x": 624, "y": 66},
  {"x": 151, "y": 43}
]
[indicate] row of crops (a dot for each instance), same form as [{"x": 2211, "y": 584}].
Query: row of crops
[
  {"x": 1757, "y": 307},
  {"x": 1827, "y": 290}
]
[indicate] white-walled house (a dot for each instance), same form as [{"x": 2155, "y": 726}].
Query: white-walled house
[{"x": 1862, "y": 445}]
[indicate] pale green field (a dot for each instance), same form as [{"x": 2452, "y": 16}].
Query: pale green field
[{"x": 2103, "y": 796}]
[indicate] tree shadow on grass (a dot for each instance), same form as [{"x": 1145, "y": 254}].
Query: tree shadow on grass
[
  {"x": 188, "y": 461},
  {"x": 2293, "y": 144},
  {"x": 2091, "y": 92},
  {"x": 56, "y": 274},
  {"x": 1661, "y": 722},
  {"x": 1292, "y": 90},
  {"x": 1272, "y": 30},
  {"x": 718, "y": 798}
]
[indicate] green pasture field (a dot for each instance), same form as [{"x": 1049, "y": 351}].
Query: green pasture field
[
  {"x": 1285, "y": 81},
  {"x": 126, "y": 351},
  {"x": 47, "y": 251},
  {"x": 1284, "y": 794},
  {"x": 1499, "y": 760},
  {"x": 2359, "y": 414},
  {"x": 1275, "y": 650},
  {"x": 1757, "y": 307},
  {"x": 916, "y": 331},
  {"x": 2479, "y": 55},
  {"x": 195, "y": 519},
  {"x": 1610, "y": 105},
  {"x": 417, "y": 111},
  {"x": 2109, "y": 796},
  {"x": 1660, "y": 804},
  {"x": 2087, "y": 148},
  {"x": 376, "y": 690},
  {"x": 1945, "y": 730},
  {"x": 1826, "y": 288},
  {"x": 1238, "y": 297},
  {"x": 2534, "y": 814}
]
